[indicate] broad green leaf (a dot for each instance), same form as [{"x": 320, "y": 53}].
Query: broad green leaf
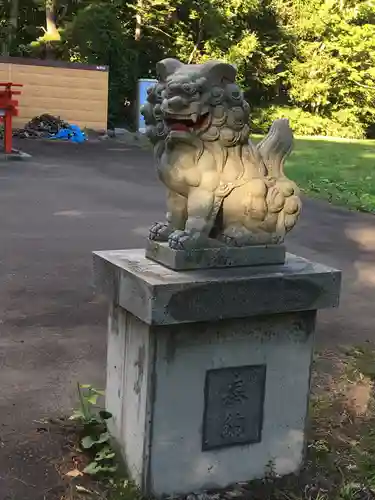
[
  {"x": 98, "y": 392},
  {"x": 92, "y": 469},
  {"x": 108, "y": 468},
  {"x": 104, "y": 437},
  {"x": 105, "y": 454},
  {"x": 88, "y": 442},
  {"x": 92, "y": 399},
  {"x": 105, "y": 415}
]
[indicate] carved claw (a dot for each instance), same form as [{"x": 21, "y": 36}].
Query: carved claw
[
  {"x": 191, "y": 240},
  {"x": 179, "y": 240},
  {"x": 160, "y": 231}
]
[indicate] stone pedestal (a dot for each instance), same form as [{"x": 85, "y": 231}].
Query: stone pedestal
[{"x": 208, "y": 371}]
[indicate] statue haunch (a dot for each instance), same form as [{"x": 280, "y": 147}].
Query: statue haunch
[{"x": 222, "y": 189}]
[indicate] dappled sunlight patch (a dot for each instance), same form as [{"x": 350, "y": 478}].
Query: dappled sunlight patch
[
  {"x": 359, "y": 396},
  {"x": 364, "y": 238},
  {"x": 365, "y": 273},
  {"x": 371, "y": 155}
]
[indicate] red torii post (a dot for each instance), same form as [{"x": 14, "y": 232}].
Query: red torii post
[{"x": 8, "y": 109}]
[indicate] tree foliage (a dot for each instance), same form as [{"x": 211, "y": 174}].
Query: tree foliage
[
  {"x": 313, "y": 60},
  {"x": 332, "y": 72}
]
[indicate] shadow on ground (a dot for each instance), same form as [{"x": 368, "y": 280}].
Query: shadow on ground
[{"x": 345, "y": 240}]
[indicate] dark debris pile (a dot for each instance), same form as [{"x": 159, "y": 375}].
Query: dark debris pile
[{"x": 41, "y": 126}]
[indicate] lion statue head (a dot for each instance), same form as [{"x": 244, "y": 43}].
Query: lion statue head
[{"x": 192, "y": 102}]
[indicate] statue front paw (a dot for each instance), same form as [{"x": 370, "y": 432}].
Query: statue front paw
[
  {"x": 191, "y": 240},
  {"x": 180, "y": 240},
  {"x": 160, "y": 231}
]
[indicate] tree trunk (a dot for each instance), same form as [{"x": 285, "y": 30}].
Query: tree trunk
[
  {"x": 138, "y": 21},
  {"x": 13, "y": 22},
  {"x": 51, "y": 28},
  {"x": 12, "y": 27}
]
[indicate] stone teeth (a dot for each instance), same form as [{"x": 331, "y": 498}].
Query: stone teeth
[{"x": 194, "y": 117}]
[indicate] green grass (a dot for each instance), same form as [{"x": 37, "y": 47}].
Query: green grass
[{"x": 340, "y": 171}]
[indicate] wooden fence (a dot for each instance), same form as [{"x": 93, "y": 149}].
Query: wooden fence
[{"x": 78, "y": 93}]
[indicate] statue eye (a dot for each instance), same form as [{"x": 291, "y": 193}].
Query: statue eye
[{"x": 189, "y": 88}]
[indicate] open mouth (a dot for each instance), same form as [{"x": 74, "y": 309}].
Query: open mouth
[{"x": 191, "y": 122}]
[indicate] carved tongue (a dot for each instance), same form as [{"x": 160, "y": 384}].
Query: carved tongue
[{"x": 179, "y": 126}]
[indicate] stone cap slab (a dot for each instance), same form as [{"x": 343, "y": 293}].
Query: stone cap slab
[
  {"x": 159, "y": 296},
  {"x": 215, "y": 257}
]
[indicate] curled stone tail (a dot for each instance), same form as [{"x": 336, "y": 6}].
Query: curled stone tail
[{"x": 276, "y": 146}]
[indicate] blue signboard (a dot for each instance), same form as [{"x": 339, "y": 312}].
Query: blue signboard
[{"x": 143, "y": 85}]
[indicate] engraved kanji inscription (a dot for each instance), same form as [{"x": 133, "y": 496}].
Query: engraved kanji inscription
[
  {"x": 233, "y": 406},
  {"x": 234, "y": 426},
  {"x": 235, "y": 392}
]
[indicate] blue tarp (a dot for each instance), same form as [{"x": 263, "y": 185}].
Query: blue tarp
[{"x": 72, "y": 133}]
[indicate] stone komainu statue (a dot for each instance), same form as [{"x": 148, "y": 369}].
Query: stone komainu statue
[{"x": 222, "y": 189}]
